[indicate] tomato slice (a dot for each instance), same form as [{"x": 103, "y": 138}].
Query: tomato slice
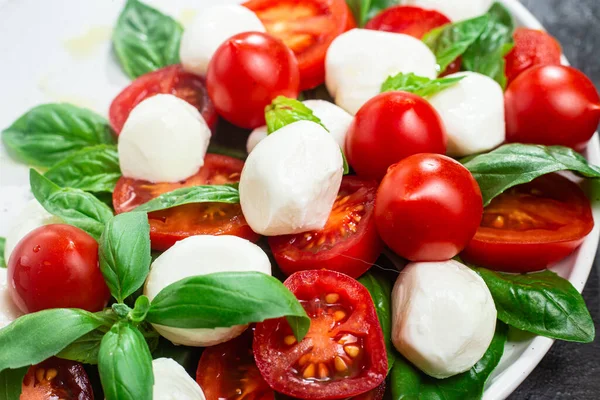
[
  {"x": 169, "y": 80},
  {"x": 348, "y": 243},
  {"x": 532, "y": 47},
  {"x": 56, "y": 379},
  {"x": 343, "y": 354},
  {"x": 308, "y": 28},
  {"x": 177, "y": 223},
  {"x": 531, "y": 226}
]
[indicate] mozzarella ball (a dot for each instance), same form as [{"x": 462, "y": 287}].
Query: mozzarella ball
[
  {"x": 334, "y": 118},
  {"x": 31, "y": 217},
  {"x": 8, "y": 309},
  {"x": 360, "y": 60},
  {"x": 210, "y": 29},
  {"x": 201, "y": 255},
  {"x": 172, "y": 382},
  {"x": 473, "y": 113},
  {"x": 443, "y": 317},
  {"x": 291, "y": 179},
  {"x": 456, "y": 10},
  {"x": 163, "y": 140}
]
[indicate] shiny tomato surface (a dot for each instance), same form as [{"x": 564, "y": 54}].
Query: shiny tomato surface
[
  {"x": 532, "y": 47},
  {"x": 56, "y": 379}
]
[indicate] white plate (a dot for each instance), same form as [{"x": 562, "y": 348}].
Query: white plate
[{"x": 60, "y": 51}]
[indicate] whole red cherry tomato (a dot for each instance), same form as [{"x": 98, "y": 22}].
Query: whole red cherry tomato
[
  {"x": 246, "y": 73},
  {"x": 389, "y": 127},
  {"x": 56, "y": 266},
  {"x": 552, "y": 105},
  {"x": 532, "y": 47},
  {"x": 428, "y": 207}
]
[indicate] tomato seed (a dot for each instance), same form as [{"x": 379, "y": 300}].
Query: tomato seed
[
  {"x": 339, "y": 315},
  {"x": 39, "y": 374},
  {"x": 332, "y": 298},
  {"x": 340, "y": 365},
  {"x": 309, "y": 372},
  {"x": 289, "y": 340},
  {"x": 498, "y": 222},
  {"x": 352, "y": 351},
  {"x": 51, "y": 374},
  {"x": 303, "y": 360},
  {"x": 323, "y": 371}
]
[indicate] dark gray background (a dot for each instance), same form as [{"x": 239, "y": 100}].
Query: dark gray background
[{"x": 569, "y": 370}]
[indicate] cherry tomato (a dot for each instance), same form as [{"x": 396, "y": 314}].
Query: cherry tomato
[
  {"x": 50, "y": 267},
  {"x": 532, "y": 47},
  {"x": 343, "y": 354},
  {"x": 389, "y": 127},
  {"x": 56, "y": 379},
  {"x": 551, "y": 105},
  {"x": 174, "y": 224},
  {"x": 169, "y": 80},
  {"x": 348, "y": 243},
  {"x": 428, "y": 207},
  {"x": 246, "y": 73},
  {"x": 308, "y": 28},
  {"x": 531, "y": 226}
]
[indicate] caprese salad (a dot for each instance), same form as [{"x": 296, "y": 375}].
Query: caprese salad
[{"x": 395, "y": 208}]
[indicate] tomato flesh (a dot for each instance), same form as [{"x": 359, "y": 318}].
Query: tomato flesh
[
  {"x": 56, "y": 379},
  {"x": 532, "y": 47},
  {"x": 531, "y": 226}
]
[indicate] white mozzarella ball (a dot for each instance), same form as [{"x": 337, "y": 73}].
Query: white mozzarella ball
[
  {"x": 201, "y": 255},
  {"x": 473, "y": 113},
  {"x": 456, "y": 10},
  {"x": 334, "y": 118},
  {"x": 443, "y": 317},
  {"x": 210, "y": 29},
  {"x": 291, "y": 179},
  {"x": 163, "y": 140},
  {"x": 8, "y": 309},
  {"x": 360, "y": 60},
  {"x": 172, "y": 382},
  {"x": 31, "y": 217}
]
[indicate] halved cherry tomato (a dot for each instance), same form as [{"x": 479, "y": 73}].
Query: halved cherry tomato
[
  {"x": 308, "y": 28},
  {"x": 56, "y": 379},
  {"x": 348, "y": 243},
  {"x": 343, "y": 354},
  {"x": 531, "y": 226},
  {"x": 169, "y": 80},
  {"x": 177, "y": 223},
  {"x": 532, "y": 47}
]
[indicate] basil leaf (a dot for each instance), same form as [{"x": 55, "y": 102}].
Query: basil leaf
[
  {"x": 284, "y": 111},
  {"x": 227, "y": 151},
  {"x": 2, "y": 260},
  {"x": 145, "y": 39},
  {"x": 32, "y": 338},
  {"x": 93, "y": 169},
  {"x": 364, "y": 10},
  {"x": 514, "y": 164},
  {"x": 226, "y": 299},
  {"x": 48, "y": 133},
  {"x": 408, "y": 383},
  {"x": 11, "y": 381},
  {"x": 542, "y": 303},
  {"x": 125, "y": 253},
  {"x": 125, "y": 364},
  {"x": 85, "y": 349},
  {"x": 419, "y": 85},
  {"x": 194, "y": 194},
  {"x": 140, "y": 311},
  {"x": 74, "y": 206},
  {"x": 380, "y": 288},
  {"x": 450, "y": 41}
]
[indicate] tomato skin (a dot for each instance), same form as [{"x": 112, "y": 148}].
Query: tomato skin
[
  {"x": 532, "y": 47},
  {"x": 246, "y": 73},
  {"x": 169, "y": 80},
  {"x": 50, "y": 266},
  {"x": 389, "y": 127},
  {"x": 413, "y": 21},
  {"x": 549, "y": 200},
  {"x": 60, "y": 379},
  {"x": 428, "y": 207},
  {"x": 551, "y": 105}
]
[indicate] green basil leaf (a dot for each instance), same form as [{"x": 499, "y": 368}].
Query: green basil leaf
[
  {"x": 145, "y": 39},
  {"x": 125, "y": 364},
  {"x": 542, "y": 303},
  {"x": 364, "y": 10},
  {"x": 450, "y": 41},
  {"x": 380, "y": 288},
  {"x": 2, "y": 260},
  {"x": 48, "y": 133},
  {"x": 74, "y": 206},
  {"x": 515, "y": 164},
  {"x": 140, "y": 311},
  {"x": 125, "y": 253},
  {"x": 226, "y": 299},
  {"x": 11, "y": 381},
  {"x": 228, "y": 193},
  {"x": 419, "y": 85},
  {"x": 227, "y": 151},
  {"x": 284, "y": 111},
  {"x": 93, "y": 169},
  {"x": 85, "y": 349},
  {"x": 32, "y": 338},
  {"x": 408, "y": 383}
]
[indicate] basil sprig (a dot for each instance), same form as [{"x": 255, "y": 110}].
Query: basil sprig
[
  {"x": 145, "y": 39},
  {"x": 2, "y": 260},
  {"x": 48, "y": 133},
  {"x": 11, "y": 383},
  {"x": 515, "y": 164},
  {"x": 419, "y": 85},
  {"x": 364, "y": 10},
  {"x": 228, "y": 193},
  {"x": 542, "y": 303}
]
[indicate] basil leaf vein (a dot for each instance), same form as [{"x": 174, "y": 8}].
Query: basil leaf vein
[
  {"x": 228, "y": 193},
  {"x": 11, "y": 383},
  {"x": 419, "y": 85}
]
